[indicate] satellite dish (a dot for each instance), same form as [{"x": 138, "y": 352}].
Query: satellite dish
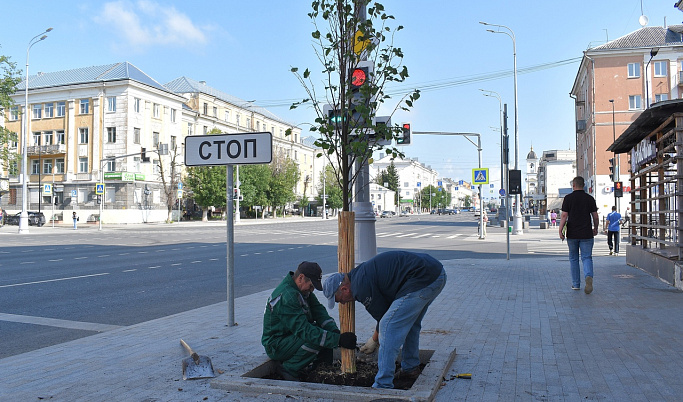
[{"x": 643, "y": 20}]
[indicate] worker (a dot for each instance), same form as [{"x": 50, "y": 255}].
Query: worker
[{"x": 297, "y": 330}]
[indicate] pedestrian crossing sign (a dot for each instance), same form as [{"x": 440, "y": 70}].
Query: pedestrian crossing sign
[
  {"x": 99, "y": 188},
  {"x": 480, "y": 176}
]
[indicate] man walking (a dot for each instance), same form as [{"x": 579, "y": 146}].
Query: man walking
[
  {"x": 578, "y": 209},
  {"x": 297, "y": 330},
  {"x": 614, "y": 225},
  {"x": 396, "y": 288}
]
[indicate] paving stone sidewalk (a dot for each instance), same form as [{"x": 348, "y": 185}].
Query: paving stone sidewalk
[{"x": 517, "y": 327}]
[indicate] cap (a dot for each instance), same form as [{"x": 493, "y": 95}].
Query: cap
[
  {"x": 331, "y": 286},
  {"x": 313, "y": 272}
]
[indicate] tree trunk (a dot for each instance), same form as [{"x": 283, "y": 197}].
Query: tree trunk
[{"x": 347, "y": 312}]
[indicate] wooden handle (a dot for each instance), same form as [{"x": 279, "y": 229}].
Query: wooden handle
[{"x": 186, "y": 346}]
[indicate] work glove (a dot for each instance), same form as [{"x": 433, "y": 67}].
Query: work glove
[
  {"x": 370, "y": 346},
  {"x": 348, "y": 340}
]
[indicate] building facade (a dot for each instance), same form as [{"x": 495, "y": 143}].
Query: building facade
[
  {"x": 413, "y": 177},
  {"x": 556, "y": 169}
]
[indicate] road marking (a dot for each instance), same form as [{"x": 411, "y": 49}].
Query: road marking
[
  {"x": 213, "y": 259},
  {"x": 195, "y": 262},
  {"x": 53, "y": 280},
  {"x": 177, "y": 263},
  {"x": 389, "y": 234},
  {"x": 244, "y": 255},
  {"x": 257, "y": 253},
  {"x": 130, "y": 270},
  {"x": 422, "y": 235},
  {"x": 80, "y": 258},
  {"x": 28, "y": 262},
  {"x": 54, "y": 322},
  {"x": 436, "y": 236},
  {"x": 102, "y": 256},
  {"x": 142, "y": 252},
  {"x": 407, "y": 234},
  {"x": 155, "y": 267},
  {"x": 123, "y": 253},
  {"x": 453, "y": 236},
  {"x": 59, "y": 259}
]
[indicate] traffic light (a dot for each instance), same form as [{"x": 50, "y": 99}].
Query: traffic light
[
  {"x": 515, "y": 181},
  {"x": 143, "y": 156},
  {"x": 99, "y": 199},
  {"x": 404, "y": 138},
  {"x": 612, "y": 164},
  {"x": 236, "y": 195},
  {"x": 618, "y": 189},
  {"x": 360, "y": 79},
  {"x": 333, "y": 116}
]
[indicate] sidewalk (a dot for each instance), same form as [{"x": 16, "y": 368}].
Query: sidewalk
[{"x": 516, "y": 325}]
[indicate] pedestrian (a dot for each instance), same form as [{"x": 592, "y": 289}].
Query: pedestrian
[
  {"x": 297, "y": 330},
  {"x": 75, "y": 217},
  {"x": 553, "y": 218},
  {"x": 485, "y": 219},
  {"x": 396, "y": 288},
  {"x": 613, "y": 226},
  {"x": 578, "y": 209}
]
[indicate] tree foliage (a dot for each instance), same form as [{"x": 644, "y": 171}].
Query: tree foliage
[
  {"x": 391, "y": 179},
  {"x": 207, "y": 184},
  {"x": 355, "y": 137},
  {"x": 284, "y": 177},
  {"x": 431, "y": 196},
  {"x": 9, "y": 79},
  {"x": 332, "y": 189}
]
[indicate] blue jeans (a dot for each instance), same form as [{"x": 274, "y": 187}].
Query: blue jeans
[
  {"x": 400, "y": 326},
  {"x": 585, "y": 246}
]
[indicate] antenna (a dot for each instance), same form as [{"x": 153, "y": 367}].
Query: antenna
[{"x": 643, "y": 20}]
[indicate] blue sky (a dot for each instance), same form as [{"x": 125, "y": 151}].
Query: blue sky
[{"x": 247, "y": 48}]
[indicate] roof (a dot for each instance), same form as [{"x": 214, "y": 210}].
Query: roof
[
  {"x": 643, "y": 126},
  {"x": 183, "y": 85},
  {"x": 84, "y": 75},
  {"x": 531, "y": 154},
  {"x": 646, "y": 37}
]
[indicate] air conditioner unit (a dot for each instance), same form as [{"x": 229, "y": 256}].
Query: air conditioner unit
[{"x": 581, "y": 125}]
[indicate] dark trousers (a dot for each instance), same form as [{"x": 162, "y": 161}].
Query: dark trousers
[{"x": 614, "y": 233}]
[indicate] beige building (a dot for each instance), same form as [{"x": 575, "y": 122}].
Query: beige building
[{"x": 614, "y": 84}]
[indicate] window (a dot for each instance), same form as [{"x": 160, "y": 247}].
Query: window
[
  {"x": 111, "y": 103},
  {"x": 173, "y": 115},
  {"x": 633, "y": 70},
  {"x": 36, "y": 138},
  {"x": 83, "y": 135},
  {"x": 248, "y": 122},
  {"x": 215, "y": 111},
  {"x": 47, "y": 166},
  {"x": 156, "y": 110},
  {"x": 405, "y": 184},
  {"x": 189, "y": 128},
  {"x": 661, "y": 97},
  {"x": 49, "y": 110},
  {"x": 227, "y": 115},
  {"x": 47, "y": 135},
  {"x": 173, "y": 143},
  {"x": 205, "y": 129},
  {"x": 111, "y": 165},
  {"x": 60, "y": 137},
  {"x": 206, "y": 108},
  {"x": 660, "y": 68},
  {"x": 83, "y": 165},
  {"x": 14, "y": 113},
  {"x": 111, "y": 134},
  {"x": 35, "y": 167},
  {"x": 237, "y": 119},
  {"x": 634, "y": 102},
  {"x": 136, "y": 105},
  {"x": 258, "y": 126},
  {"x": 61, "y": 109},
  {"x": 136, "y": 135},
  {"x": 85, "y": 106},
  {"x": 59, "y": 165},
  {"x": 136, "y": 164},
  {"x": 155, "y": 139},
  {"x": 155, "y": 164},
  {"x": 37, "y": 111}
]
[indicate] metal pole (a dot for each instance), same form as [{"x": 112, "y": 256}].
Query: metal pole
[
  {"x": 482, "y": 234},
  {"x": 52, "y": 196},
  {"x": 324, "y": 199},
  {"x": 237, "y": 200},
  {"x": 230, "y": 255}
]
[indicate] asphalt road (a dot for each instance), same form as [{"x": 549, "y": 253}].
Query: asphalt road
[{"x": 57, "y": 285}]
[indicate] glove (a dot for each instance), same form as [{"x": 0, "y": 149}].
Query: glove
[
  {"x": 348, "y": 340},
  {"x": 370, "y": 346}
]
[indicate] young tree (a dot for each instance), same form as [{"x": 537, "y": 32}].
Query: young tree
[
  {"x": 207, "y": 184},
  {"x": 254, "y": 185},
  {"x": 332, "y": 190},
  {"x": 170, "y": 177},
  {"x": 390, "y": 178},
  {"x": 284, "y": 176},
  {"x": 9, "y": 79}
]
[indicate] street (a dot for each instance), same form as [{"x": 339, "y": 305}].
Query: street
[{"x": 58, "y": 284}]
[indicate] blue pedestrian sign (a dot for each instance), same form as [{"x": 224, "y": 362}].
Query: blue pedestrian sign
[
  {"x": 440, "y": 183},
  {"x": 74, "y": 193},
  {"x": 99, "y": 188},
  {"x": 501, "y": 192},
  {"x": 461, "y": 182},
  {"x": 480, "y": 176},
  {"x": 47, "y": 189},
  {"x": 419, "y": 184}
]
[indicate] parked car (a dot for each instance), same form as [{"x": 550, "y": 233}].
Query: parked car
[
  {"x": 403, "y": 214},
  {"x": 34, "y": 218},
  {"x": 386, "y": 214}
]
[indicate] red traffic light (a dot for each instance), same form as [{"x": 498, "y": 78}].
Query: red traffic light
[
  {"x": 618, "y": 185},
  {"x": 359, "y": 76},
  {"x": 406, "y": 126}
]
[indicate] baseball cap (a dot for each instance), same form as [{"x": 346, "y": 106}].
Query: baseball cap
[
  {"x": 313, "y": 272},
  {"x": 331, "y": 286}
]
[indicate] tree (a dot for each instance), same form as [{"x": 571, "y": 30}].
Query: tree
[
  {"x": 391, "y": 179},
  {"x": 170, "y": 177},
  {"x": 352, "y": 137},
  {"x": 207, "y": 184},
  {"x": 332, "y": 190},
  {"x": 254, "y": 185},
  {"x": 284, "y": 177},
  {"x": 8, "y": 86},
  {"x": 438, "y": 199}
]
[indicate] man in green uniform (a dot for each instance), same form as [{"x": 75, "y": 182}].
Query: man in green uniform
[{"x": 297, "y": 330}]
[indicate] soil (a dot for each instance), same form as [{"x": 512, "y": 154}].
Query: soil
[{"x": 364, "y": 376}]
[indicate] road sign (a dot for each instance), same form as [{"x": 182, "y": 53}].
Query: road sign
[
  {"x": 229, "y": 149},
  {"x": 419, "y": 184},
  {"x": 47, "y": 189},
  {"x": 480, "y": 176},
  {"x": 501, "y": 192},
  {"x": 180, "y": 194},
  {"x": 180, "y": 186},
  {"x": 461, "y": 182},
  {"x": 440, "y": 183},
  {"x": 74, "y": 193},
  {"x": 99, "y": 188}
]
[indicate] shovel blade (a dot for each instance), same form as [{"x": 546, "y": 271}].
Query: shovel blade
[{"x": 193, "y": 370}]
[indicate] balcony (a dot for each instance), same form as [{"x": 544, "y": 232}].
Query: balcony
[
  {"x": 581, "y": 125},
  {"x": 46, "y": 149}
]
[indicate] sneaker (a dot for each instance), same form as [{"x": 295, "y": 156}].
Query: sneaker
[
  {"x": 589, "y": 285},
  {"x": 408, "y": 375},
  {"x": 576, "y": 288},
  {"x": 610, "y": 252}
]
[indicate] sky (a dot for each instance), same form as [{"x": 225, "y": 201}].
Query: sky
[{"x": 247, "y": 49}]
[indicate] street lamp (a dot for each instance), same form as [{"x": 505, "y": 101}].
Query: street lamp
[
  {"x": 23, "y": 217},
  {"x": 653, "y": 53},
  {"x": 502, "y": 144},
  {"x": 517, "y": 221}
]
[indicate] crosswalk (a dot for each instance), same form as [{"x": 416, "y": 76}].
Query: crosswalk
[
  {"x": 556, "y": 246},
  {"x": 323, "y": 233}
]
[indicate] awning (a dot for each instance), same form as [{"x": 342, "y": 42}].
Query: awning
[{"x": 643, "y": 126}]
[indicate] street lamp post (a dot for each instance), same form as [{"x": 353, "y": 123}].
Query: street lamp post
[
  {"x": 23, "y": 217},
  {"x": 517, "y": 220},
  {"x": 503, "y": 181},
  {"x": 653, "y": 53}
]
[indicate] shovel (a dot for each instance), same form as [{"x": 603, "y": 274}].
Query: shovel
[{"x": 196, "y": 366}]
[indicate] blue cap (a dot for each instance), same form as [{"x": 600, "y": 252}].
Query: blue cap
[{"x": 331, "y": 286}]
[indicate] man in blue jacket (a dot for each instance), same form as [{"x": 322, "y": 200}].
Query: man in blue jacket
[
  {"x": 396, "y": 288},
  {"x": 614, "y": 225}
]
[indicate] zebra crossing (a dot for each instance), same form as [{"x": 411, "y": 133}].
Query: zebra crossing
[{"x": 324, "y": 233}]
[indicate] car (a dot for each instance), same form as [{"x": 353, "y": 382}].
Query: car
[
  {"x": 34, "y": 218},
  {"x": 404, "y": 214},
  {"x": 386, "y": 214},
  {"x": 477, "y": 212}
]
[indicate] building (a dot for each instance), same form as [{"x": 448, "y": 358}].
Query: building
[
  {"x": 413, "y": 176},
  {"x": 556, "y": 169},
  {"x": 382, "y": 198},
  {"x": 613, "y": 85},
  {"x": 532, "y": 196}
]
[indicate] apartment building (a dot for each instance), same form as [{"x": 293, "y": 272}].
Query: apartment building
[
  {"x": 614, "y": 84},
  {"x": 556, "y": 169}
]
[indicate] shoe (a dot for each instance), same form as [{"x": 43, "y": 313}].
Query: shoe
[
  {"x": 610, "y": 252},
  {"x": 589, "y": 285},
  {"x": 286, "y": 375},
  {"x": 408, "y": 375},
  {"x": 576, "y": 288}
]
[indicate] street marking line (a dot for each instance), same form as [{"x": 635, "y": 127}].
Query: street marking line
[
  {"x": 407, "y": 234},
  {"x": 52, "y": 280},
  {"x": 80, "y": 258},
  {"x": 27, "y": 262},
  {"x": 130, "y": 270},
  {"x": 177, "y": 263},
  {"x": 123, "y": 253},
  {"x": 453, "y": 236},
  {"x": 102, "y": 256},
  {"x": 155, "y": 267},
  {"x": 213, "y": 259},
  {"x": 389, "y": 234},
  {"x": 436, "y": 236},
  {"x": 195, "y": 262},
  {"x": 422, "y": 235},
  {"x": 59, "y": 259},
  {"x": 54, "y": 322}
]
